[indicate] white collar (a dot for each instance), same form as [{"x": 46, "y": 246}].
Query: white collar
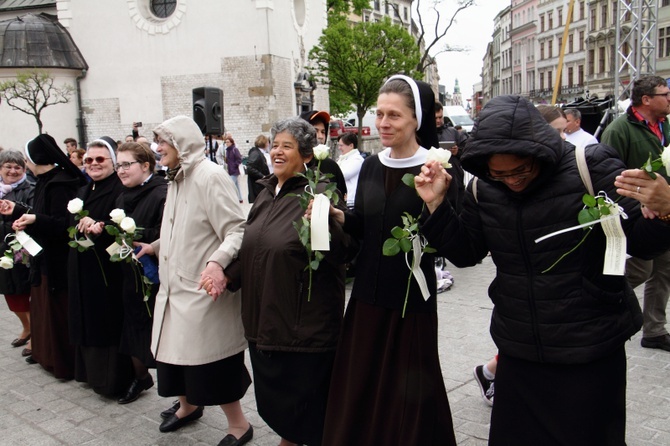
[{"x": 417, "y": 159}]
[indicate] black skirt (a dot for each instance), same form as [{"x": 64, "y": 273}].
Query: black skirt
[
  {"x": 292, "y": 391},
  {"x": 220, "y": 382},
  {"x": 559, "y": 404},
  {"x": 387, "y": 386}
]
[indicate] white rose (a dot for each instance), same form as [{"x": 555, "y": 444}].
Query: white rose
[
  {"x": 442, "y": 156},
  {"x": 665, "y": 157},
  {"x": 117, "y": 215},
  {"x": 6, "y": 262},
  {"x": 75, "y": 206},
  {"x": 128, "y": 225},
  {"x": 321, "y": 152}
]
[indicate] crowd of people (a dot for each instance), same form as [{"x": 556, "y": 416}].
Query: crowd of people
[{"x": 93, "y": 308}]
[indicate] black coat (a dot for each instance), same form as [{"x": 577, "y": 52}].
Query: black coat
[
  {"x": 257, "y": 168},
  {"x": 17, "y": 279},
  {"x": 96, "y": 310},
  {"x": 145, "y": 205},
  {"x": 572, "y": 313},
  {"x": 53, "y": 190}
]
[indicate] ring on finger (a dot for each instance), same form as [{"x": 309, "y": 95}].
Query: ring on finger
[{"x": 638, "y": 189}]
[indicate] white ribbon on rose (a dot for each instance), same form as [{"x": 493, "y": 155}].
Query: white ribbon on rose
[
  {"x": 28, "y": 243},
  {"x": 417, "y": 252},
  {"x": 319, "y": 233}
]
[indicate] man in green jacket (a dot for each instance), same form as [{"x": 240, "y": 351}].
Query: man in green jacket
[{"x": 643, "y": 131}]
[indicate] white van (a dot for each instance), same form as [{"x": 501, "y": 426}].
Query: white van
[
  {"x": 456, "y": 115},
  {"x": 368, "y": 120}
]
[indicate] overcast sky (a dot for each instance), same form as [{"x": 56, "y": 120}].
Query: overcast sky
[{"x": 472, "y": 30}]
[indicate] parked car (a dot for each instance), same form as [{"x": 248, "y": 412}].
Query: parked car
[
  {"x": 338, "y": 127},
  {"x": 456, "y": 115}
]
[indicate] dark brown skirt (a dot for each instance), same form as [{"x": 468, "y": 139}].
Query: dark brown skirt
[
  {"x": 18, "y": 303},
  {"x": 292, "y": 391},
  {"x": 220, "y": 382},
  {"x": 559, "y": 404},
  {"x": 50, "y": 340},
  {"x": 387, "y": 386}
]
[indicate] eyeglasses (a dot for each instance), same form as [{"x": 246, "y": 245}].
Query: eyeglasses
[
  {"x": 521, "y": 175},
  {"x": 667, "y": 95},
  {"x": 124, "y": 166},
  {"x": 11, "y": 167},
  {"x": 97, "y": 159}
]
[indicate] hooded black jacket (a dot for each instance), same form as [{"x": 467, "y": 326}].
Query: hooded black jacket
[{"x": 572, "y": 313}]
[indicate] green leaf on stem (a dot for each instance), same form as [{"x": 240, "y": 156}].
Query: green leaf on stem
[
  {"x": 391, "y": 247},
  {"x": 408, "y": 179}
]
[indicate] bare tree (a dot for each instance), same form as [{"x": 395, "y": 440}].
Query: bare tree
[
  {"x": 32, "y": 91},
  {"x": 440, "y": 29}
]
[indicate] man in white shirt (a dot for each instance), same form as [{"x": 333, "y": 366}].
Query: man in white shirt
[
  {"x": 574, "y": 133},
  {"x": 350, "y": 163}
]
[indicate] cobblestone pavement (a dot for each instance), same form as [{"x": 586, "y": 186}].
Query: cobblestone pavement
[{"x": 40, "y": 410}]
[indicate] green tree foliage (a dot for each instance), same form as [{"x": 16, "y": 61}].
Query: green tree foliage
[
  {"x": 346, "y": 6},
  {"x": 32, "y": 91},
  {"x": 355, "y": 60}
]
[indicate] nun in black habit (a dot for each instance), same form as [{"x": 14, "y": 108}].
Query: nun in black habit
[
  {"x": 96, "y": 304},
  {"x": 46, "y": 222},
  {"x": 387, "y": 386}
]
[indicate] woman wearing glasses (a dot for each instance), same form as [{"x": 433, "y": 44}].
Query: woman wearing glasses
[
  {"x": 96, "y": 309},
  {"x": 143, "y": 199},
  {"x": 560, "y": 327},
  {"x": 57, "y": 183}
]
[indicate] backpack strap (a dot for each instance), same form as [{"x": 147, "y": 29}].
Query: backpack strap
[
  {"x": 580, "y": 156},
  {"x": 474, "y": 189}
]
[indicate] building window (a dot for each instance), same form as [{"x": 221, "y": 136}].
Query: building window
[
  {"x": 386, "y": 8},
  {"x": 542, "y": 51},
  {"x": 542, "y": 22},
  {"x": 664, "y": 41},
  {"x": 541, "y": 81},
  {"x": 550, "y": 20},
  {"x": 603, "y": 15},
  {"x": 601, "y": 59},
  {"x": 377, "y": 6},
  {"x": 560, "y": 45},
  {"x": 592, "y": 55},
  {"x": 163, "y": 8},
  {"x": 550, "y": 49},
  {"x": 570, "y": 73},
  {"x": 570, "y": 43},
  {"x": 560, "y": 17},
  {"x": 581, "y": 40},
  {"x": 665, "y": 3},
  {"x": 614, "y": 12},
  {"x": 581, "y": 10},
  {"x": 593, "y": 19},
  {"x": 406, "y": 12},
  {"x": 549, "y": 80},
  {"x": 580, "y": 75}
]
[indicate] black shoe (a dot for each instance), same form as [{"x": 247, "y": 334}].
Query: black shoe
[
  {"x": 173, "y": 423},
  {"x": 231, "y": 440},
  {"x": 167, "y": 413},
  {"x": 30, "y": 360},
  {"x": 485, "y": 385},
  {"x": 662, "y": 342},
  {"x": 135, "y": 389}
]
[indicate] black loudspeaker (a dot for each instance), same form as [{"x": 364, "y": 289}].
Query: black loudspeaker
[{"x": 208, "y": 110}]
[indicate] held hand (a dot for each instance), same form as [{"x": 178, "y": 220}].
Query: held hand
[
  {"x": 6, "y": 207},
  {"x": 96, "y": 228},
  {"x": 146, "y": 248},
  {"x": 212, "y": 280},
  {"x": 23, "y": 221},
  {"x": 84, "y": 224},
  {"x": 653, "y": 194},
  {"x": 432, "y": 184}
]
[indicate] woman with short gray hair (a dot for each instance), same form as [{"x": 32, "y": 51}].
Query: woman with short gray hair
[{"x": 292, "y": 334}]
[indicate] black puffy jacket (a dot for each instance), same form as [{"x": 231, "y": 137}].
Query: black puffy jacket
[{"x": 572, "y": 313}]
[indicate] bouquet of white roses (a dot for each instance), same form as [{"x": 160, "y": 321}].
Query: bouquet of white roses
[{"x": 125, "y": 232}]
